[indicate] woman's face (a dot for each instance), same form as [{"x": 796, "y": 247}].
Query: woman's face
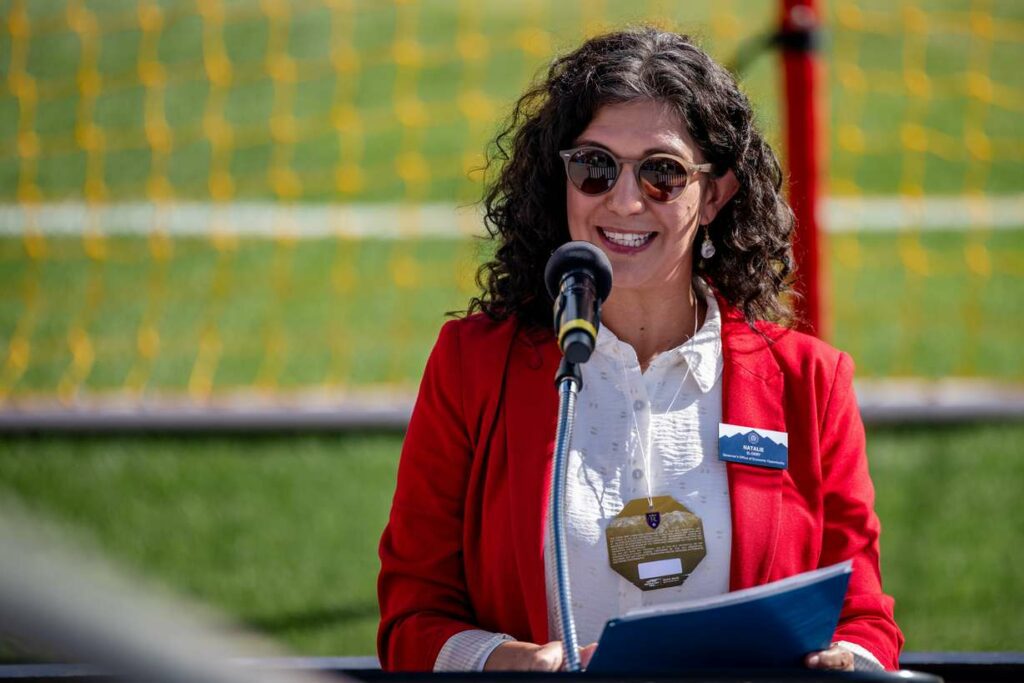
[{"x": 648, "y": 243}]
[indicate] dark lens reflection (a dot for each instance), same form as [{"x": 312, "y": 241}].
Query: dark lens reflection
[
  {"x": 592, "y": 171},
  {"x": 662, "y": 178}
]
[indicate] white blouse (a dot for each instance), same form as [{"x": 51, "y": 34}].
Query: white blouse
[
  {"x": 640, "y": 433},
  {"x": 670, "y": 414}
]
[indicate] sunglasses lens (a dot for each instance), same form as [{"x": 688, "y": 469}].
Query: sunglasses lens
[
  {"x": 662, "y": 178},
  {"x": 592, "y": 171}
]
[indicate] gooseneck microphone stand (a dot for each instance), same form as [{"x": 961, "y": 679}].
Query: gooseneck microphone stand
[
  {"x": 569, "y": 381},
  {"x": 578, "y": 277}
]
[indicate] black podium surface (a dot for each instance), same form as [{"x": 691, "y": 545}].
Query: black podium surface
[
  {"x": 919, "y": 667},
  {"x": 709, "y": 676},
  {"x": 68, "y": 673}
]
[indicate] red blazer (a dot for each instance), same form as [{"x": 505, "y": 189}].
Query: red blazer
[{"x": 464, "y": 545}]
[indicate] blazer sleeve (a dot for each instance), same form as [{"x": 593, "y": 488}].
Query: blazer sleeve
[
  {"x": 851, "y": 528},
  {"x": 421, "y": 588}
]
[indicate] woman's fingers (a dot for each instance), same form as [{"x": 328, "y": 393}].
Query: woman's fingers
[
  {"x": 548, "y": 657},
  {"x": 517, "y": 656},
  {"x": 835, "y": 658},
  {"x": 514, "y": 655},
  {"x": 586, "y": 653},
  {"x": 551, "y": 657}
]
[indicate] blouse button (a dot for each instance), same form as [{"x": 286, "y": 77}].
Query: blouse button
[
  {"x": 638, "y": 473},
  {"x": 638, "y": 405}
]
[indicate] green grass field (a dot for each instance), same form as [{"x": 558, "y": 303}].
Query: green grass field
[
  {"x": 491, "y": 49},
  {"x": 482, "y": 48},
  {"x": 281, "y": 532},
  {"x": 368, "y": 88},
  {"x": 294, "y": 315}
]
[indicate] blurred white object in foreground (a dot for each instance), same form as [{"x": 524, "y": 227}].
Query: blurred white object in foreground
[{"x": 63, "y": 601}]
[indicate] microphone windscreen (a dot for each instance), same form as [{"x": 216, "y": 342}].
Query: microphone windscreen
[{"x": 579, "y": 255}]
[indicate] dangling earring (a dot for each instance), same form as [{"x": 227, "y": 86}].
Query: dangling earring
[{"x": 707, "y": 248}]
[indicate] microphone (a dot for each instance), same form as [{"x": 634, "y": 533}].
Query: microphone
[{"x": 578, "y": 277}]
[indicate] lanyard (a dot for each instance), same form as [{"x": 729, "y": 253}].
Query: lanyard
[{"x": 645, "y": 450}]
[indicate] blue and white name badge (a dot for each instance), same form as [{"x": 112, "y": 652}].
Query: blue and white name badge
[{"x": 752, "y": 446}]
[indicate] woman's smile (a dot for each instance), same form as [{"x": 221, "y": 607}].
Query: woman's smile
[{"x": 625, "y": 242}]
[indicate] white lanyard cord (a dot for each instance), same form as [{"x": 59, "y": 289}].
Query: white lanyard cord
[{"x": 645, "y": 452}]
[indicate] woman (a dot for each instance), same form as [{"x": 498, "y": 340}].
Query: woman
[{"x": 639, "y": 143}]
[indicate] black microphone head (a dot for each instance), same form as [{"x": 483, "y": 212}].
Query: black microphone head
[{"x": 579, "y": 255}]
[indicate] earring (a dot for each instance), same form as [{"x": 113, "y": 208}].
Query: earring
[{"x": 707, "y": 248}]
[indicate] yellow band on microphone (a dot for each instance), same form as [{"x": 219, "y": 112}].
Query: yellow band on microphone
[{"x": 577, "y": 324}]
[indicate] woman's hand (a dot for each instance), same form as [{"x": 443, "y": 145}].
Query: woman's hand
[
  {"x": 517, "y": 656},
  {"x": 836, "y": 658}
]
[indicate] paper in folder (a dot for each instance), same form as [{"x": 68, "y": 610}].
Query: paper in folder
[{"x": 769, "y": 626}]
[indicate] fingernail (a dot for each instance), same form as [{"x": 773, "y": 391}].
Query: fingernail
[{"x": 813, "y": 660}]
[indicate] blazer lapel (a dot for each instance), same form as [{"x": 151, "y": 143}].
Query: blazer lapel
[
  {"x": 531, "y": 410},
  {"x": 752, "y": 396}
]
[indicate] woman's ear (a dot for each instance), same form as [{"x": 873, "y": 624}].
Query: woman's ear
[{"x": 719, "y": 191}]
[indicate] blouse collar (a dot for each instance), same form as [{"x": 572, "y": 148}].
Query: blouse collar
[{"x": 702, "y": 353}]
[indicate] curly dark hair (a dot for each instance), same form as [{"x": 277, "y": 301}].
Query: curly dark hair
[{"x": 524, "y": 204}]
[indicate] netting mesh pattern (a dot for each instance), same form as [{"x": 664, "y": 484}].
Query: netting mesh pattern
[
  {"x": 214, "y": 197},
  {"x": 926, "y": 105},
  {"x": 370, "y": 101}
]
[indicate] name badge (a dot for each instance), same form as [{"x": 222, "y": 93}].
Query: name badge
[
  {"x": 657, "y": 544},
  {"x": 752, "y": 446}
]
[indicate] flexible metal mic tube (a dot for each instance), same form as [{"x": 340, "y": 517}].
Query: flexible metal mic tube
[{"x": 567, "y": 388}]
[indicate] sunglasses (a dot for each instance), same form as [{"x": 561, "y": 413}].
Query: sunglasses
[{"x": 662, "y": 177}]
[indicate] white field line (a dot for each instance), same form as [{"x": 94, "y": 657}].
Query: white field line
[
  {"x": 873, "y": 214},
  {"x": 247, "y": 219},
  {"x": 881, "y": 401},
  {"x": 398, "y": 220}
]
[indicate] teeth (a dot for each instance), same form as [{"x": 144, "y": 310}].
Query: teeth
[{"x": 628, "y": 239}]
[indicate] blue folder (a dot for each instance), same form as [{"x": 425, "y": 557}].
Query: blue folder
[{"x": 770, "y": 626}]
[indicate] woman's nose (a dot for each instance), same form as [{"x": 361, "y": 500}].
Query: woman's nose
[{"x": 625, "y": 198}]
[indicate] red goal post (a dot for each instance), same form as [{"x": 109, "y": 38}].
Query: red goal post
[{"x": 804, "y": 135}]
